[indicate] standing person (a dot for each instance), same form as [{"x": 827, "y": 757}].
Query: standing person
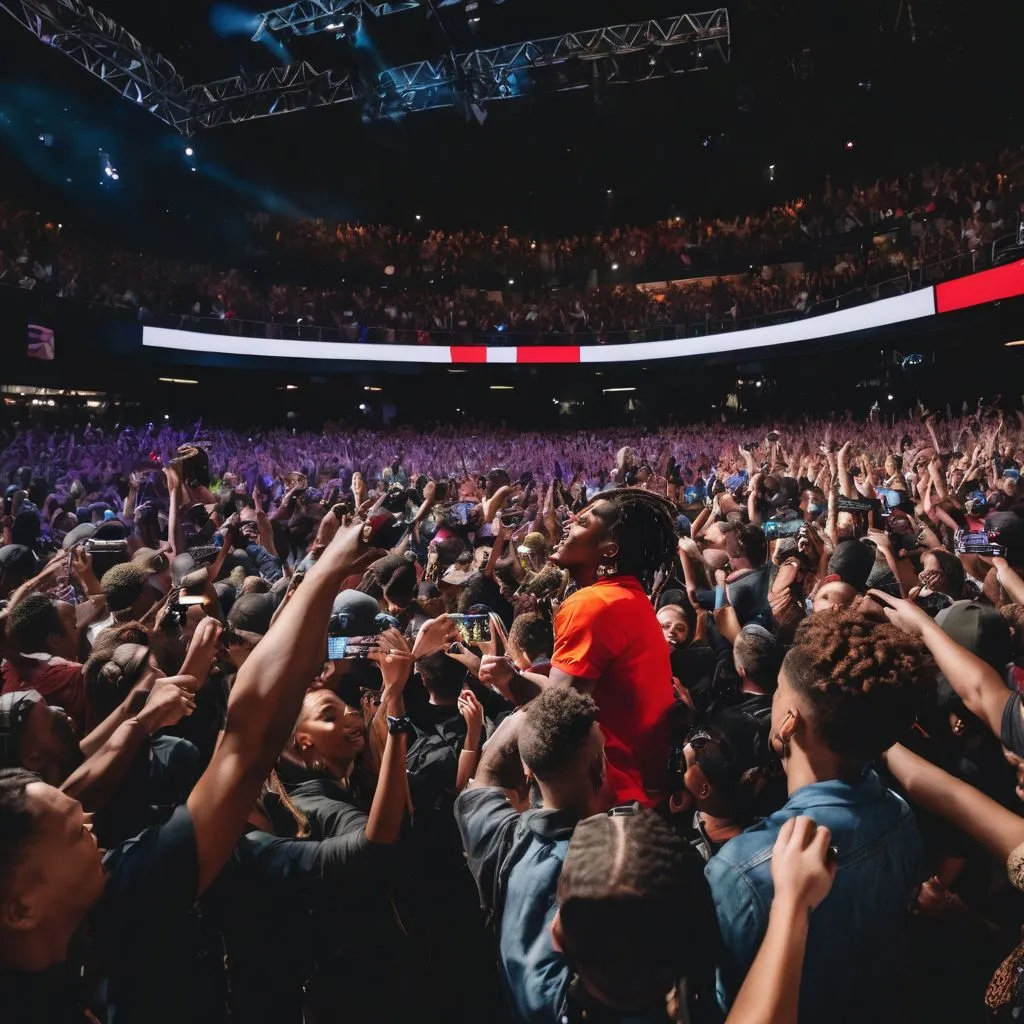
[
  {"x": 608, "y": 642},
  {"x": 848, "y": 689},
  {"x": 138, "y": 897}
]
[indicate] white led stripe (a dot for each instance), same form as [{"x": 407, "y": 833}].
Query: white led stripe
[
  {"x": 911, "y": 306},
  {"x": 190, "y": 341}
]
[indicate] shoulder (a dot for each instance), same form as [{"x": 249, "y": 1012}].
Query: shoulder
[
  {"x": 743, "y": 854},
  {"x": 157, "y": 870},
  {"x": 482, "y": 810}
]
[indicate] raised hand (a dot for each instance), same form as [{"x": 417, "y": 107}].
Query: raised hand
[{"x": 803, "y": 867}]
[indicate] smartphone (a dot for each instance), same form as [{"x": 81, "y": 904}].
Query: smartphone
[
  {"x": 350, "y": 648},
  {"x": 889, "y": 497},
  {"x": 474, "y": 629},
  {"x": 773, "y": 436},
  {"x": 775, "y": 528},
  {"x": 856, "y": 504},
  {"x": 460, "y": 512},
  {"x": 979, "y": 543},
  {"x": 187, "y": 600}
]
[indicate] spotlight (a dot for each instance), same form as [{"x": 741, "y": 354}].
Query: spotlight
[
  {"x": 418, "y": 217},
  {"x": 115, "y": 176},
  {"x": 615, "y": 266},
  {"x": 189, "y": 151},
  {"x": 890, "y": 397},
  {"x": 108, "y": 171},
  {"x": 511, "y": 280},
  {"x": 849, "y": 143},
  {"x": 362, "y": 407}
]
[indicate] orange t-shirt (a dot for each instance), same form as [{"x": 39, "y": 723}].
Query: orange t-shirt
[{"x": 609, "y": 632}]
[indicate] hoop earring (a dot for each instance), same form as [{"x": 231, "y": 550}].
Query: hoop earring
[{"x": 782, "y": 744}]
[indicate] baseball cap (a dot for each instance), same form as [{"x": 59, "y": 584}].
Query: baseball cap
[
  {"x": 17, "y": 558},
  {"x": 253, "y": 612},
  {"x": 980, "y": 629},
  {"x": 533, "y": 542},
  {"x": 15, "y": 707},
  {"x": 457, "y": 575},
  {"x": 354, "y": 614},
  {"x": 84, "y": 531}
]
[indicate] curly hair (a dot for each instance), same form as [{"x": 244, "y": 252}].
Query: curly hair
[
  {"x": 555, "y": 729},
  {"x": 644, "y": 527},
  {"x": 635, "y": 908},
  {"x": 865, "y": 681},
  {"x": 531, "y": 634}
]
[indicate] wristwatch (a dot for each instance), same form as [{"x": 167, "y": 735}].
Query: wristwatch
[{"x": 399, "y": 726}]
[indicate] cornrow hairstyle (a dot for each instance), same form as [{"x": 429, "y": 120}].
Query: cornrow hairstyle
[
  {"x": 865, "y": 681},
  {"x": 17, "y": 823},
  {"x": 556, "y": 726},
  {"x": 644, "y": 527},
  {"x": 635, "y": 909}
]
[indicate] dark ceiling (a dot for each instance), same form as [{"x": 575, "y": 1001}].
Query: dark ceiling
[{"x": 806, "y": 77}]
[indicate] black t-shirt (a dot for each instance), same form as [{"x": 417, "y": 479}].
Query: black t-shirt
[
  {"x": 44, "y": 997},
  {"x": 160, "y": 962},
  {"x": 1012, "y": 731},
  {"x": 330, "y": 809},
  {"x": 273, "y": 888}
]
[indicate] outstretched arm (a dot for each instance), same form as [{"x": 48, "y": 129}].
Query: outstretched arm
[
  {"x": 264, "y": 704},
  {"x": 999, "y": 830}
]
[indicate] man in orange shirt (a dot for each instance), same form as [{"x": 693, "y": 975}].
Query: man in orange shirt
[{"x": 607, "y": 639}]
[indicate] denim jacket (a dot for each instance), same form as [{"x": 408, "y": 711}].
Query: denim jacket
[{"x": 856, "y": 934}]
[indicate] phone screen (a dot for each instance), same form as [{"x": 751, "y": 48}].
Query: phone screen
[
  {"x": 474, "y": 629},
  {"x": 350, "y": 648}
]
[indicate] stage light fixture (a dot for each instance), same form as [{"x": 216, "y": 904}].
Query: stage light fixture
[{"x": 189, "y": 151}]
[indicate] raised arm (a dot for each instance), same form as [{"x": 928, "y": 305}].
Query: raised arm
[
  {"x": 999, "y": 830},
  {"x": 975, "y": 681},
  {"x": 264, "y": 703}
]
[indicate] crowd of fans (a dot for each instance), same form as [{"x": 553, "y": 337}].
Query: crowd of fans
[
  {"x": 531, "y": 727},
  {"x": 375, "y": 282}
]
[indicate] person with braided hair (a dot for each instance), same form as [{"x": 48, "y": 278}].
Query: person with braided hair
[
  {"x": 848, "y": 689},
  {"x": 607, "y": 639}
]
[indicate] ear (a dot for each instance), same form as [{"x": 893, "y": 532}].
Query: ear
[
  {"x": 789, "y": 726},
  {"x": 610, "y": 548},
  {"x": 557, "y": 938},
  {"x": 18, "y": 914}
]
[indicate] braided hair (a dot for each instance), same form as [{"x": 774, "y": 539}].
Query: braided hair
[
  {"x": 643, "y": 526},
  {"x": 636, "y": 911}
]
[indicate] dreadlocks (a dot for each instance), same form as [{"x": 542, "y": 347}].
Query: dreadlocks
[{"x": 643, "y": 526}]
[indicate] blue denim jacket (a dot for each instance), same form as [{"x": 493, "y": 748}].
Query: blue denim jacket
[{"x": 856, "y": 934}]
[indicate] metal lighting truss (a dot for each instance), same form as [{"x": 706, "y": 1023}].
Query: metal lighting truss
[
  {"x": 622, "y": 53},
  {"x": 307, "y": 17},
  {"x": 278, "y": 91},
  {"x": 105, "y": 50},
  {"x": 640, "y": 51}
]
